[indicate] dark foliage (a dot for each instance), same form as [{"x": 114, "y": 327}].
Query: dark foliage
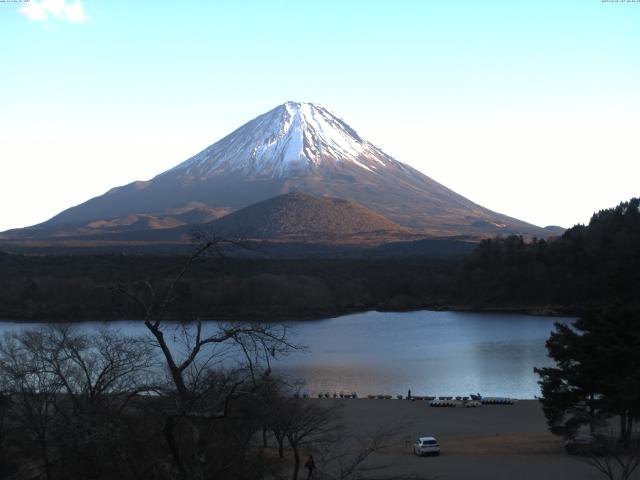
[
  {"x": 590, "y": 265},
  {"x": 597, "y": 372},
  {"x": 78, "y": 287},
  {"x": 587, "y": 266}
]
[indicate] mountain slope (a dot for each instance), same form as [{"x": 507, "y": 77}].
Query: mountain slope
[
  {"x": 296, "y": 147},
  {"x": 292, "y": 218}
]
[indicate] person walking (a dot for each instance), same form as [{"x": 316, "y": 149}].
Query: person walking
[{"x": 310, "y": 466}]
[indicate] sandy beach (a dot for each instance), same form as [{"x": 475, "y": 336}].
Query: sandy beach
[{"x": 490, "y": 442}]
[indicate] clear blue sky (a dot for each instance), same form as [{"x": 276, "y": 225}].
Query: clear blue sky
[{"x": 530, "y": 108}]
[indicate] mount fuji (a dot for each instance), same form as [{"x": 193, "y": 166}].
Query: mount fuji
[{"x": 296, "y": 147}]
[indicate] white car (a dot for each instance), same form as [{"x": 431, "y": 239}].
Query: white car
[{"x": 426, "y": 446}]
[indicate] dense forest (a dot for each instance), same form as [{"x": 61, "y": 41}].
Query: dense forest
[
  {"x": 587, "y": 266},
  {"x": 85, "y": 287}
]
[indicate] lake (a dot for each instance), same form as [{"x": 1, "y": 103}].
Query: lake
[{"x": 431, "y": 353}]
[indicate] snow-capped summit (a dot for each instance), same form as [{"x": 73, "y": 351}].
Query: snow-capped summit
[{"x": 289, "y": 139}]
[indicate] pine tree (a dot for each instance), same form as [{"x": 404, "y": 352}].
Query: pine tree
[{"x": 597, "y": 372}]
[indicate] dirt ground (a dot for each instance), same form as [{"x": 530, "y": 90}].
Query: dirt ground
[{"x": 490, "y": 442}]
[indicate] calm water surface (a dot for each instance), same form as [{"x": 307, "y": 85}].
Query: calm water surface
[{"x": 431, "y": 353}]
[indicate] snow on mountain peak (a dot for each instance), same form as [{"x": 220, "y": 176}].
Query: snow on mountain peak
[{"x": 292, "y": 137}]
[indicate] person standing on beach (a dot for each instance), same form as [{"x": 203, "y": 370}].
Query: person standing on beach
[
  {"x": 409, "y": 394},
  {"x": 310, "y": 466}
]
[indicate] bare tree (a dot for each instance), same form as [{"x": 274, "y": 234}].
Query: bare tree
[
  {"x": 191, "y": 350},
  {"x": 68, "y": 389},
  {"x": 95, "y": 371},
  {"x": 616, "y": 460},
  {"x": 346, "y": 457},
  {"x": 199, "y": 349},
  {"x": 5, "y": 401},
  {"x": 310, "y": 424},
  {"x": 33, "y": 392}
]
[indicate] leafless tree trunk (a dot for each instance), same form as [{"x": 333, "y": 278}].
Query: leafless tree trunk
[
  {"x": 257, "y": 343},
  {"x": 4, "y": 405},
  {"x": 33, "y": 392},
  {"x": 619, "y": 459},
  {"x": 310, "y": 424}
]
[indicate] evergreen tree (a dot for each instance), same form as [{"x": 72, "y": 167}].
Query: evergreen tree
[{"x": 597, "y": 372}]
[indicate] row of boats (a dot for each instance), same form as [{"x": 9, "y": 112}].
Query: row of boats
[
  {"x": 459, "y": 401},
  {"x": 466, "y": 401}
]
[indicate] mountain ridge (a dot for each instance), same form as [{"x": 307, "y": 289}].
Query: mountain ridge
[{"x": 295, "y": 147}]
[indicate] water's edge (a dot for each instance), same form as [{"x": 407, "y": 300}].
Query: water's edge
[{"x": 432, "y": 353}]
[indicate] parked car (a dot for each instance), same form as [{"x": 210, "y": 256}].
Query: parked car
[
  {"x": 586, "y": 444},
  {"x": 426, "y": 446}
]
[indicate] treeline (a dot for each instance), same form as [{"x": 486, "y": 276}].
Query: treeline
[
  {"x": 86, "y": 286},
  {"x": 587, "y": 266}
]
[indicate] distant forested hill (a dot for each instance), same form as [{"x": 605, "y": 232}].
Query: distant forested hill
[{"x": 587, "y": 265}]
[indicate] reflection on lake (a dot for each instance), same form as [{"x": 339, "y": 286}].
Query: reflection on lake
[{"x": 431, "y": 353}]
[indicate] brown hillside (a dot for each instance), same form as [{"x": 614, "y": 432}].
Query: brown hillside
[{"x": 300, "y": 215}]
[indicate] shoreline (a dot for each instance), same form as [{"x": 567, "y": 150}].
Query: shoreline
[
  {"x": 345, "y": 354},
  {"x": 546, "y": 311}
]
